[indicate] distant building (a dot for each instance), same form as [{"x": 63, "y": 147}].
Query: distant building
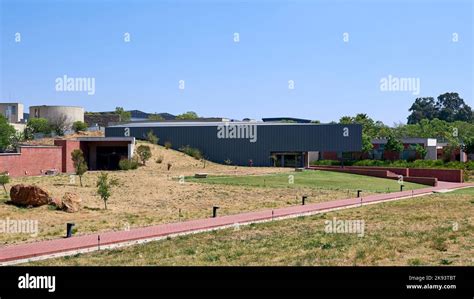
[
  {"x": 249, "y": 143},
  {"x": 52, "y": 113},
  {"x": 13, "y": 112},
  {"x": 379, "y": 153}
]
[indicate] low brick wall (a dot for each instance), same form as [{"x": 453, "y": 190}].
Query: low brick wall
[
  {"x": 68, "y": 146},
  {"x": 369, "y": 172},
  {"x": 422, "y": 180},
  {"x": 447, "y": 175},
  {"x": 396, "y": 170},
  {"x": 32, "y": 161},
  {"x": 380, "y": 173}
]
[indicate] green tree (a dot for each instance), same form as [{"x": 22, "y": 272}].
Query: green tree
[
  {"x": 188, "y": 115},
  {"x": 80, "y": 165},
  {"x": 124, "y": 115},
  {"x": 144, "y": 152},
  {"x": 4, "y": 179},
  {"x": 468, "y": 145},
  {"x": 451, "y": 107},
  {"x": 394, "y": 145},
  {"x": 421, "y": 151},
  {"x": 367, "y": 145},
  {"x": 370, "y": 127},
  {"x": 6, "y": 133},
  {"x": 38, "y": 125},
  {"x": 79, "y": 126},
  {"x": 423, "y": 108},
  {"x": 104, "y": 187}
]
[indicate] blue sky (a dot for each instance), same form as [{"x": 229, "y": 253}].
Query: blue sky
[{"x": 279, "y": 41}]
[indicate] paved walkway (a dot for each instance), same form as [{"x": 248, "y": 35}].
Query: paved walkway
[{"x": 26, "y": 251}]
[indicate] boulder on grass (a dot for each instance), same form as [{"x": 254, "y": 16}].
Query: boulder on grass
[
  {"x": 57, "y": 202},
  {"x": 71, "y": 202},
  {"x": 27, "y": 195}
]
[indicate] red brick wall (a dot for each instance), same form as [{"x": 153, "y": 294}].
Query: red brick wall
[
  {"x": 31, "y": 161},
  {"x": 448, "y": 175},
  {"x": 424, "y": 181},
  {"x": 68, "y": 146},
  {"x": 329, "y": 156}
]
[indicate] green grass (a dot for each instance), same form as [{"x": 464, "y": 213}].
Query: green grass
[
  {"x": 416, "y": 231},
  {"x": 311, "y": 179},
  {"x": 467, "y": 191}
]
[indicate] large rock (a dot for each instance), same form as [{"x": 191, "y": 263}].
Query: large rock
[
  {"x": 71, "y": 202},
  {"x": 25, "y": 195}
]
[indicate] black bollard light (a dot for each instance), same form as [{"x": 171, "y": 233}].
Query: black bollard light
[
  {"x": 303, "y": 199},
  {"x": 69, "y": 229},
  {"x": 214, "y": 211},
  {"x": 358, "y": 192}
]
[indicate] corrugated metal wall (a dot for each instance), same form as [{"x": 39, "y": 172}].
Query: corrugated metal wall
[{"x": 270, "y": 138}]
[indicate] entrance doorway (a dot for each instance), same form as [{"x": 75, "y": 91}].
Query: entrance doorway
[
  {"x": 294, "y": 160},
  {"x": 108, "y": 157}
]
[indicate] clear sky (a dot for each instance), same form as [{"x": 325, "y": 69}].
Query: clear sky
[{"x": 280, "y": 41}]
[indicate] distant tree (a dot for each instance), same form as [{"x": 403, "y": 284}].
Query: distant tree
[
  {"x": 394, "y": 145},
  {"x": 79, "y": 126},
  {"x": 423, "y": 108},
  {"x": 367, "y": 145},
  {"x": 421, "y": 151},
  {"x": 315, "y": 121},
  {"x": 188, "y": 115},
  {"x": 17, "y": 138},
  {"x": 451, "y": 107},
  {"x": 80, "y": 165},
  {"x": 104, "y": 187},
  {"x": 144, "y": 152},
  {"x": 6, "y": 133},
  {"x": 124, "y": 115},
  {"x": 60, "y": 124},
  {"x": 370, "y": 127},
  {"x": 155, "y": 117},
  {"x": 38, "y": 125},
  {"x": 4, "y": 179},
  {"x": 468, "y": 146}
]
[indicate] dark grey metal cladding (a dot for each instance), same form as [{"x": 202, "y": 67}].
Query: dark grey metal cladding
[{"x": 270, "y": 138}]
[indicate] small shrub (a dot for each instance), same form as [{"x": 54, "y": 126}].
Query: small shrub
[
  {"x": 414, "y": 262},
  {"x": 152, "y": 137},
  {"x": 168, "y": 145},
  {"x": 439, "y": 244},
  {"x": 80, "y": 165},
  {"x": 104, "y": 186},
  {"x": 228, "y": 162},
  {"x": 126, "y": 164},
  {"x": 144, "y": 152},
  {"x": 193, "y": 152},
  {"x": 159, "y": 160},
  {"x": 4, "y": 179},
  {"x": 79, "y": 126}
]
